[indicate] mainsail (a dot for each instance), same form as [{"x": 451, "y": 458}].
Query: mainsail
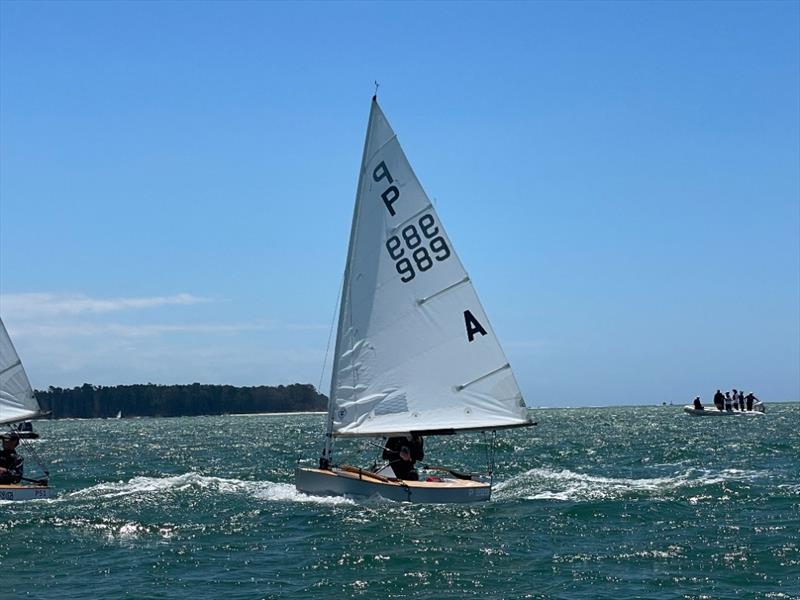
[
  {"x": 17, "y": 402},
  {"x": 414, "y": 348}
]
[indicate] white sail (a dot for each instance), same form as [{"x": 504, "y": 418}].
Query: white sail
[
  {"x": 17, "y": 402},
  {"x": 414, "y": 348}
]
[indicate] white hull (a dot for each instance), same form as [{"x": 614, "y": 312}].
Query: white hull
[
  {"x": 713, "y": 411},
  {"x": 335, "y": 482},
  {"x": 24, "y": 492}
]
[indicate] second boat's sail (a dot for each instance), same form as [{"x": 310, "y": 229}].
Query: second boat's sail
[
  {"x": 414, "y": 348},
  {"x": 17, "y": 402}
]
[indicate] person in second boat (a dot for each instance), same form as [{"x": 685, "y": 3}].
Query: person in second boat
[
  {"x": 402, "y": 453},
  {"x": 719, "y": 400},
  {"x": 697, "y": 404},
  {"x": 11, "y": 464}
]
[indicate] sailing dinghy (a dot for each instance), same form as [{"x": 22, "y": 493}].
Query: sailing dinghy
[
  {"x": 17, "y": 404},
  {"x": 414, "y": 353}
]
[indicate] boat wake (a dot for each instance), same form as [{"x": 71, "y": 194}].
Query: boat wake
[
  {"x": 194, "y": 482},
  {"x": 548, "y": 484}
]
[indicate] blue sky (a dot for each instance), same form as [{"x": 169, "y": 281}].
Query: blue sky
[{"x": 621, "y": 180}]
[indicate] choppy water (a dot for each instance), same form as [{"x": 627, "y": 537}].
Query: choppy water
[{"x": 592, "y": 503}]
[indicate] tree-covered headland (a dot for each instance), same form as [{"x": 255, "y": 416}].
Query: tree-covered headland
[{"x": 150, "y": 400}]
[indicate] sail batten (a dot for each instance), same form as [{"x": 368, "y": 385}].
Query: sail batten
[
  {"x": 484, "y": 376},
  {"x": 442, "y": 291},
  {"x": 17, "y": 401},
  {"x": 411, "y": 218},
  {"x": 400, "y": 360},
  {"x": 9, "y": 367}
]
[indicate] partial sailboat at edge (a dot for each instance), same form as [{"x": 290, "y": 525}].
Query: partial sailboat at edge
[
  {"x": 415, "y": 352},
  {"x": 17, "y": 404}
]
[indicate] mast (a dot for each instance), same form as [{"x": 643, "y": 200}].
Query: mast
[{"x": 324, "y": 461}]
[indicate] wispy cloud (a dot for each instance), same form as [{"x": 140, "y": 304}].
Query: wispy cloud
[
  {"x": 35, "y": 305},
  {"x": 68, "y": 338}
]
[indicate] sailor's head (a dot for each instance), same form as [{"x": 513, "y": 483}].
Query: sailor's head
[{"x": 10, "y": 441}]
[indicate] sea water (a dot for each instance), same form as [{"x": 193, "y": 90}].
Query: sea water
[{"x": 633, "y": 502}]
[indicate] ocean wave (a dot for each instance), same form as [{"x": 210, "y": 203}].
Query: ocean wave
[
  {"x": 262, "y": 490},
  {"x": 549, "y": 484}
]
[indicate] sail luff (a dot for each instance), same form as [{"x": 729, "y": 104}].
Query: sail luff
[{"x": 345, "y": 289}]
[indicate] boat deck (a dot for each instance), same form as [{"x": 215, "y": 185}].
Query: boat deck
[
  {"x": 367, "y": 475},
  {"x": 23, "y": 492},
  {"x": 360, "y": 482}
]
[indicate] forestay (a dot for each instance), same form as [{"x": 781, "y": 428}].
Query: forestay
[
  {"x": 17, "y": 402},
  {"x": 414, "y": 348}
]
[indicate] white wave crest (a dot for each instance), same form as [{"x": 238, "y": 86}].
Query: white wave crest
[
  {"x": 262, "y": 490},
  {"x": 548, "y": 484}
]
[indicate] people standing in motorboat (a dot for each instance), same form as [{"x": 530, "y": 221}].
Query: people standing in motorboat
[
  {"x": 728, "y": 401},
  {"x": 735, "y": 399},
  {"x": 697, "y": 404},
  {"x": 719, "y": 400},
  {"x": 402, "y": 453},
  {"x": 11, "y": 463},
  {"x": 749, "y": 400},
  {"x": 741, "y": 400}
]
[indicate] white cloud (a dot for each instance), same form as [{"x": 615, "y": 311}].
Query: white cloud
[
  {"x": 37, "y": 305},
  {"x": 66, "y": 339}
]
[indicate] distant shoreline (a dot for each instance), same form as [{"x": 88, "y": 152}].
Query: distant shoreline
[
  {"x": 184, "y": 400},
  {"x": 124, "y": 418}
]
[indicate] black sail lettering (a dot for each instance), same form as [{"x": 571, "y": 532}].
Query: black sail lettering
[
  {"x": 381, "y": 172},
  {"x": 473, "y": 325},
  {"x": 389, "y": 196}
]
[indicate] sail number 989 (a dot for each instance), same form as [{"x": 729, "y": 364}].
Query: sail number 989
[{"x": 424, "y": 245}]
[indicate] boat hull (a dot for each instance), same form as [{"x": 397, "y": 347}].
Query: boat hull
[
  {"x": 713, "y": 411},
  {"x": 24, "y": 492},
  {"x": 319, "y": 482}
]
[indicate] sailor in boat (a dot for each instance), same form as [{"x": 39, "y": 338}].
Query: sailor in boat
[
  {"x": 402, "y": 454},
  {"x": 697, "y": 404},
  {"x": 11, "y": 463}
]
